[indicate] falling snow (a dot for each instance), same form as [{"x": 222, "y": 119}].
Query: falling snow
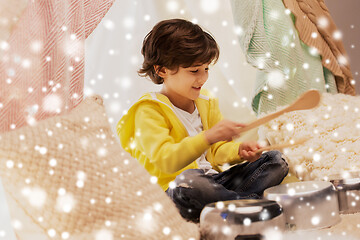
[
  {"x": 52, "y": 103},
  {"x": 104, "y": 234},
  {"x": 65, "y": 202},
  {"x": 36, "y": 196}
]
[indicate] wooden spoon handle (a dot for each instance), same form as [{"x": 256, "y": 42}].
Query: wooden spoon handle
[
  {"x": 281, "y": 146},
  {"x": 261, "y": 121},
  {"x": 307, "y": 100}
]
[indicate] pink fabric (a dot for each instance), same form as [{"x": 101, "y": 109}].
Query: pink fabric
[{"x": 42, "y": 64}]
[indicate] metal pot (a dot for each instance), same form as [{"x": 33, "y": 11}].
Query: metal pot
[
  {"x": 241, "y": 219},
  {"x": 348, "y": 189},
  {"x": 307, "y": 205}
]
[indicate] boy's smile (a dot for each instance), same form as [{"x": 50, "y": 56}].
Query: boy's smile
[{"x": 182, "y": 87}]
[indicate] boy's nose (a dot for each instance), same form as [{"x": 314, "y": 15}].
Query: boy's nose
[{"x": 203, "y": 78}]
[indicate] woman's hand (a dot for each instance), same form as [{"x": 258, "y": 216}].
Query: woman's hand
[
  {"x": 225, "y": 130},
  {"x": 247, "y": 151}
]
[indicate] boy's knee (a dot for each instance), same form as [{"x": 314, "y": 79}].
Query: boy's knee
[
  {"x": 188, "y": 176},
  {"x": 190, "y": 173},
  {"x": 278, "y": 158},
  {"x": 274, "y": 154}
]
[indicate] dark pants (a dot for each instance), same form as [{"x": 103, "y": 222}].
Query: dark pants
[{"x": 194, "y": 189}]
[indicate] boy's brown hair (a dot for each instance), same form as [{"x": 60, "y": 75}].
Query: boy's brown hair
[{"x": 176, "y": 43}]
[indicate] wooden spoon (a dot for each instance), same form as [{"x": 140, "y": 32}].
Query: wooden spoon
[
  {"x": 307, "y": 100},
  {"x": 281, "y": 146}
]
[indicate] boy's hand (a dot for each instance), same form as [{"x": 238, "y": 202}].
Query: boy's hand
[
  {"x": 225, "y": 130},
  {"x": 247, "y": 151}
]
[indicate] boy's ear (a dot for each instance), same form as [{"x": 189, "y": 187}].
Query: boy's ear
[{"x": 161, "y": 71}]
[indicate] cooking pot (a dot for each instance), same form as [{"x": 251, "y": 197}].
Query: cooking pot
[
  {"x": 348, "y": 189},
  {"x": 307, "y": 205},
  {"x": 241, "y": 219}
]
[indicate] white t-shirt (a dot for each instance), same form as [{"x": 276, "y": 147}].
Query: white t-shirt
[{"x": 193, "y": 125}]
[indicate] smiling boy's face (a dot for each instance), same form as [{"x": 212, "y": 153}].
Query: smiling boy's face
[{"x": 185, "y": 84}]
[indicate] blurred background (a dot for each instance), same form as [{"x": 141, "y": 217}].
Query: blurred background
[{"x": 347, "y": 20}]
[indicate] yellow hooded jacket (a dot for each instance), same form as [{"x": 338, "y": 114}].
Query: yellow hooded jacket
[{"x": 153, "y": 134}]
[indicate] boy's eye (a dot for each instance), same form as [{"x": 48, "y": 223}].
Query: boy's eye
[{"x": 197, "y": 70}]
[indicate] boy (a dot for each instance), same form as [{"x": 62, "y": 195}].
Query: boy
[{"x": 178, "y": 134}]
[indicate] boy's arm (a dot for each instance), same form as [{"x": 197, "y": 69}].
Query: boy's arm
[
  {"x": 223, "y": 151},
  {"x": 226, "y": 152},
  {"x": 159, "y": 146}
]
